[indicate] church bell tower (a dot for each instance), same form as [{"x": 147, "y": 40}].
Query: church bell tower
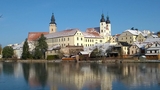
[{"x": 52, "y": 25}]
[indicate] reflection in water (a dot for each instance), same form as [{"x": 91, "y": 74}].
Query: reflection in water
[{"x": 83, "y": 76}]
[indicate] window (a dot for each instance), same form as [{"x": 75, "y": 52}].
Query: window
[
  {"x": 81, "y": 39},
  {"x": 77, "y": 44},
  {"x": 156, "y": 45},
  {"x": 77, "y": 38},
  {"x": 68, "y": 39},
  {"x": 101, "y": 30},
  {"x": 100, "y": 40},
  {"x": 64, "y": 39},
  {"x": 86, "y": 40}
]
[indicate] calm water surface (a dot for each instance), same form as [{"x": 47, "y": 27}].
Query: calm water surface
[{"x": 79, "y": 76}]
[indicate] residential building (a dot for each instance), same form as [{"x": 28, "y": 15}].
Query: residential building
[
  {"x": 153, "y": 53},
  {"x": 131, "y": 36},
  {"x": 137, "y": 49}
]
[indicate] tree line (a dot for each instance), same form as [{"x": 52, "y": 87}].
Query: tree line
[{"x": 37, "y": 53}]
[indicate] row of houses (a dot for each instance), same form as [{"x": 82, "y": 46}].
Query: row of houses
[{"x": 130, "y": 43}]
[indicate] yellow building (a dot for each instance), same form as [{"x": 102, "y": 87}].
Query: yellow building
[
  {"x": 75, "y": 37},
  {"x": 131, "y": 36}
]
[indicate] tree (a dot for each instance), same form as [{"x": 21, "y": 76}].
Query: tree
[
  {"x": 41, "y": 48},
  {"x": 96, "y": 52},
  {"x": 37, "y": 53},
  {"x": 25, "y": 53},
  {"x": 7, "y": 52}
]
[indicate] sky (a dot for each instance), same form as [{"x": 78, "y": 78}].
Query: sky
[{"x": 19, "y": 17}]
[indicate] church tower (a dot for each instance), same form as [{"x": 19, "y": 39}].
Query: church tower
[
  {"x": 52, "y": 25},
  {"x": 102, "y": 26},
  {"x": 108, "y": 26}
]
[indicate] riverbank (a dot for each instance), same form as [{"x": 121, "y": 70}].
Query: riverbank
[{"x": 88, "y": 61}]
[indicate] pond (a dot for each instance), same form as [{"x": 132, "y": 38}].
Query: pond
[{"x": 79, "y": 76}]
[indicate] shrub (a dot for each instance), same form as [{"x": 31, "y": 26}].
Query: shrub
[{"x": 52, "y": 57}]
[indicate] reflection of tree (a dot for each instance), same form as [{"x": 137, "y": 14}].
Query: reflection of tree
[
  {"x": 41, "y": 73},
  {"x": 26, "y": 68},
  {"x": 8, "y": 68},
  {"x": 95, "y": 68}
]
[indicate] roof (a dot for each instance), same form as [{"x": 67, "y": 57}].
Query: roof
[
  {"x": 32, "y": 36},
  {"x": 92, "y": 32},
  {"x": 140, "y": 45},
  {"x": 94, "y": 29},
  {"x": 152, "y": 39},
  {"x": 92, "y": 35},
  {"x": 54, "y": 47},
  {"x": 68, "y": 32},
  {"x": 84, "y": 52},
  {"x": 134, "y": 32}
]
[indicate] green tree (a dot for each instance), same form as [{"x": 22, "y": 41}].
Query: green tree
[
  {"x": 37, "y": 53},
  {"x": 25, "y": 53},
  {"x": 41, "y": 48},
  {"x": 7, "y": 52}
]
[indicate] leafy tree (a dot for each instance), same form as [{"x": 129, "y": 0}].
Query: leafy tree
[
  {"x": 25, "y": 53},
  {"x": 41, "y": 48},
  {"x": 7, "y": 52}
]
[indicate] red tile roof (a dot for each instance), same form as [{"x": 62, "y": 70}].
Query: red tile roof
[{"x": 32, "y": 36}]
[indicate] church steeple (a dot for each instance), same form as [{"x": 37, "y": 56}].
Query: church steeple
[
  {"x": 52, "y": 19},
  {"x": 108, "y": 21},
  {"x": 52, "y": 25},
  {"x": 102, "y": 18}
]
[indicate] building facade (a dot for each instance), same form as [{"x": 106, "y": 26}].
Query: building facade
[{"x": 75, "y": 37}]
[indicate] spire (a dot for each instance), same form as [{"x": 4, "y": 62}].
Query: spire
[
  {"x": 108, "y": 21},
  {"x": 102, "y": 18},
  {"x": 52, "y": 19}
]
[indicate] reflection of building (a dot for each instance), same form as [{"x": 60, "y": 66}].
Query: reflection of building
[{"x": 79, "y": 76}]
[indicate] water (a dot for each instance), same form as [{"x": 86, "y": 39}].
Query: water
[{"x": 79, "y": 76}]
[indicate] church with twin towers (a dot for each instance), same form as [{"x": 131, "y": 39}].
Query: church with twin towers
[{"x": 76, "y": 37}]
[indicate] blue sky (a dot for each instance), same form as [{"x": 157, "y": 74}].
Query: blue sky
[{"x": 23, "y": 16}]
